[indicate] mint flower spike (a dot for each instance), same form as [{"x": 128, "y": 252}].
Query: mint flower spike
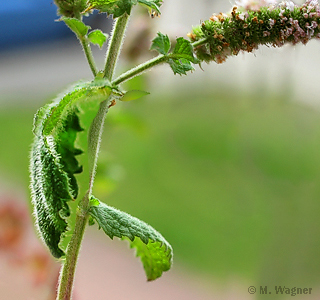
[{"x": 274, "y": 25}]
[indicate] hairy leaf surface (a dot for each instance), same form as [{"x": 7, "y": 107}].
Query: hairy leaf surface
[
  {"x": 152, "y": 248},
  {"x": 52, "y": 179},
  {"x": 53, "y": 162},
  {"x": 95, "y": 91}
]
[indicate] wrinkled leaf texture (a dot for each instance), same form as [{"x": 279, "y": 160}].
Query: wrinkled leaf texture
[
  {"x": 53, "y": 162},
  {"x": 152, "y": 248}
]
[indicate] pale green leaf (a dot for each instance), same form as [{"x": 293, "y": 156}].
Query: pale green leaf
[
  {"x": 133, "y": 95},
  {"x": 97, "y": 37},
  {"x": 78, "y": 27},
  {"x": 152, "y": 248}
]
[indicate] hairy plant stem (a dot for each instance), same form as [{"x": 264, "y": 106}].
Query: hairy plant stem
[
  {"x": 140, "y": 69},
  {"x": 69, "y": 266},
  {"x": 87, "y": 51},
  {"x": 115, "y": 45},
  {"x": 94, "y": 140}
]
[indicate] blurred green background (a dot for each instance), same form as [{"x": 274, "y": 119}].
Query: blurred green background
[
  {"x": 230, "y": 178},
  {"x": 224, "y": 163}
]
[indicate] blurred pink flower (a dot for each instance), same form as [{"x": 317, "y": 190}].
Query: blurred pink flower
[{"x": 13, "y": 221}]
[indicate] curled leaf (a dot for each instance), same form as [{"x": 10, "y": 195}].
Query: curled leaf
[
  {"x": 53, "y": 162},
  {"x": 152, "y": 248},
  {"x": 52, "y": 179},
  {"x": 93, "y": 91}
]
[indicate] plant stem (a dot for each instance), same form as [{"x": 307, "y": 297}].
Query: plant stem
[
  {"x": 199, "y": 42},
  {"x": 140, "y": 69},
  {"x": 69, "y": 266},
  {"x": 115, "y": 45},
  {"x": 94, "y": 140},
  {"x": 87, "y": 50}
]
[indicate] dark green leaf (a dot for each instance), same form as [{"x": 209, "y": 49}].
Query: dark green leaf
[
  {"x": 155, "y": 252},
  {"x": 112, "y": 7},
  {"x": 97, "y": 37},
  {"x": 184, "y": 49},
  {"x": 53, "y": 162},
  {"x": 182, "y": 57},
  {"x": 52, "y": 180},
  {"x": 161, "y": 44},
  {"x": 78, "y": 27},
  {"x": 180, "y": 66},
  {"x": 133, "y": 95},
  {"x": 151, "y": 4}
]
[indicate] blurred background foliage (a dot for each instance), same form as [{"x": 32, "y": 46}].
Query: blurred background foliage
[
  {"x": 229, "y": 176},
  {"x": 232, "y": 181}
]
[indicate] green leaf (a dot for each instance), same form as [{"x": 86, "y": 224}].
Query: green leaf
[
  {"x": 152, "y": 248},
  {"x": 133, "y": 95},
  {"x": 182, "y": 57},
  {"x": 97, "y": 37},
  {"x": 78, "y": 27},
  {"x": 180, "y": 66},
  {"x": 95, "y": 91},
  {"x": 161, "y": 44},
  {"x": 53, "y": 162},
  {"x": 113, "y": 7},
  {"x": 184, "y": 49},
  {"x": 52, "y": 180},
  {"x": 152, "y": 4}
]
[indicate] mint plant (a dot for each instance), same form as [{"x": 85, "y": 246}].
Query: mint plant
[{"x": 72, "y": 124}]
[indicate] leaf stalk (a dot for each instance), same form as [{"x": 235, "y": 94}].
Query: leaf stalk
[{"x": 88, "y": 52}]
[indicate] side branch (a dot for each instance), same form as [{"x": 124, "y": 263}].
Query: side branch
[{"x": 140, "y": 69}]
